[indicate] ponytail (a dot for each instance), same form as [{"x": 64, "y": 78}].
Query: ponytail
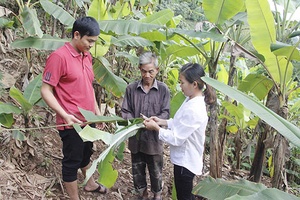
[{"x": 210, "y": 95}]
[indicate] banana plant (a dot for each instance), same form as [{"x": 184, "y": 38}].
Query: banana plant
[
  {"x": 239, "y": 122},
  {"x": 279, "y": 67},
  {"x": 23, "y": 103},
  {"x": 284, "y": 127},
  {"x": 219, "y": 189},
  {"x": 114, "y": 142}
]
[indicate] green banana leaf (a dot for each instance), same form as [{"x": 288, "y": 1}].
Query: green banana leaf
[
  {"x": 159, "y": 18},
  {"x": 32, "y": 92},
  {"x": 133, "y": 41},
  {"x": 176, "y": 102},
  {"x": 124, "y": 27},
  {"x": 31, "y": 22},
  {"x": 181, "y": 51},
  {"x": 284, "y": 127},
  {"x": 105, "y": 167},
  {"x": 57, "y": 12},
  {"x": 5, "y": 23},
  {"x": 47, "y": 42},
  {"x": 290, "y": 52},
  {"x": 132, "y": 58},
  {"x": 213, "y": 34},
  {"x": 9, "y": 108},
  {"x": 154, "y": 35},
  {"x": 107, "y": 79},
  {"x": 6, "y": 120},
  {"x": 263, "y": 34},
  {"x": 218, "y": 11},
  {"x": 257, "y": 84},
  {"x": 80, "y": 3},
  {"x": 219, "y": 189},
  {"x": 20, "y": 99},
  {"x": 92, "y": 118},
  {"x": 98, "y": 10},
  {"x": 112, "y": 140}
]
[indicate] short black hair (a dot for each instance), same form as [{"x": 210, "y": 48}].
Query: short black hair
[{"x": 86, "y": 26}]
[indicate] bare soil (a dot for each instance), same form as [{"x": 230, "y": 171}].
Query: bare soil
[{"x": 31, "y": 169}]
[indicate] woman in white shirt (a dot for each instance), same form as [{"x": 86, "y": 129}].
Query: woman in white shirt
[{"x": 186, "y": 132}]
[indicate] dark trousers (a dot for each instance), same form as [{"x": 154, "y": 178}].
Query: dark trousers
[
  {"x": 154, "y": 164},
  {"x": 76, "y": 153},
  {"x": 183, "y": 179}
]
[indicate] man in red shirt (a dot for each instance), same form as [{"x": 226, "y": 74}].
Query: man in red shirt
[{"x": 67, "y": 86}]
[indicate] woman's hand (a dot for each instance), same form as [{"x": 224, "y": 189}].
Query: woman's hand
[
  {"x": 150, "y": 124},
  {"x": 160, "y": 122}
]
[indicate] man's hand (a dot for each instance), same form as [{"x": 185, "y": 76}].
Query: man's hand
[
  {"x": 71, "y": 119},
  {"x": 143, "y": 116},
  {"x": 100, "y": 126}
]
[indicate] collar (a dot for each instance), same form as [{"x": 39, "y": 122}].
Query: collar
[
  {"x": 140, "y": 85},
  {"x": 73, "y": 51}
]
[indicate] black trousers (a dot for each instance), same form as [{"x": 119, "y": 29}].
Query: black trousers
[
  {"x": 140, "y": 161},
  {"x": 183, "y": 179},
  {"x": 76, "y": 153}
]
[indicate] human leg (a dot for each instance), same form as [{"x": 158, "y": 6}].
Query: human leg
[
  {"x": 139, "y": 173},
  {"x": 155, "y": 165},
  {"x": 183, "y": 179},
  {"x": 91, "y": 185},
  {"x": 72, "y": 190},
  {"x": 72, "y": 151}
]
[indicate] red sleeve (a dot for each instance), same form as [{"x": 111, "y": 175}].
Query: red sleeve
[{"x": 54, "y": 69}]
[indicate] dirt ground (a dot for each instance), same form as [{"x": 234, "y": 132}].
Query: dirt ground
[
  {"x": 40, "y": 178},
  {"x": 31, "y": 169}
]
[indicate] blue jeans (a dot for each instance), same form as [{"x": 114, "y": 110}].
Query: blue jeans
[{"x": 183, "y": 179}]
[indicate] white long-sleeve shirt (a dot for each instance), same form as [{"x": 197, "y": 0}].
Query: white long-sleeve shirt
[{"x": 186, "y": 134}]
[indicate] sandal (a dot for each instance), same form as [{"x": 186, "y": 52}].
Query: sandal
[{"x": 100, "y": 189}]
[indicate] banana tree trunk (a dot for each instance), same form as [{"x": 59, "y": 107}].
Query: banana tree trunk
[
  {"x": 215, "y": 148},
  {"x": 238, "y": 147},
  {"x": 223, "y": 124},
  {"x": 279, "y": 157},
  {"x": 215, "y": 162},
  {"x": 265, "y": 139},
  {"x": 259, "y": 158}
]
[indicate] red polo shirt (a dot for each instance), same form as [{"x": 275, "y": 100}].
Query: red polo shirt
[{"x": 71, "y": 74}]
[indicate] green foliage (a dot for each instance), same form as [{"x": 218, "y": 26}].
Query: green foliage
[
  {"x": 190, "y": 12},
  {"x": 257, "y": 84},
  {"x": 176, "y": 102},
  {"x": 105, "y": 168},
  {"x": 226, "y": 10},
  {"x": 25, "y": 102},
  {"x": 284, "y": 127},
  {"x": 107, "y": 78},
  {"x": 113, "y": 142},
  {"x": 57, "y": 12},
  {"x": 124, "y": 27},
  {"x": 219, "y": 189},
  {"x": 31, "y": 22}
]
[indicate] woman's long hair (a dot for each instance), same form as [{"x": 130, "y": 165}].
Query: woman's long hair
[{"x": 193, "y": 72}]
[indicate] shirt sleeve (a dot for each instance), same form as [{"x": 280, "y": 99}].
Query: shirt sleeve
[
  {"x": 53, "y": 70},
  {"x": 180, "y": 129},
  {"x": 127, "y": 110}
]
